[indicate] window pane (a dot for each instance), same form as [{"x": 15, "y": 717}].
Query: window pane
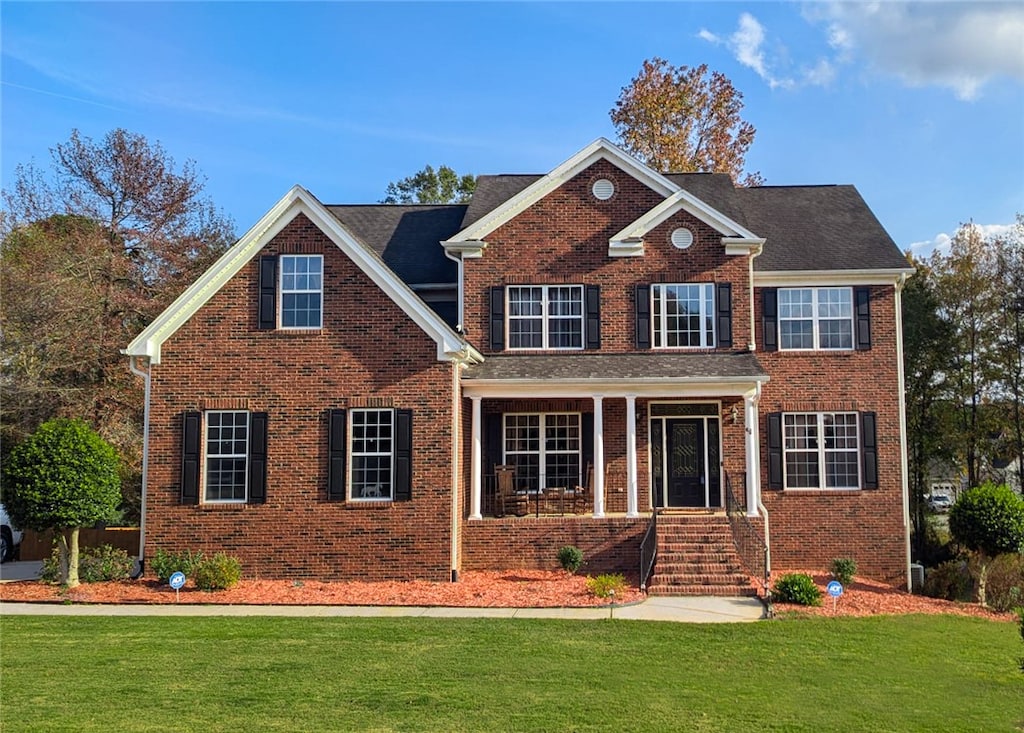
[
  {"x": 372, "y": 453},
  {"x": 553, "y": 461},
  {"x": 227, "y": 448},
  {"x": 683, "y": 316},
  {"x": 301, "y": 291}
]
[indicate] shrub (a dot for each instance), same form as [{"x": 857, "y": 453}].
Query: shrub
[
  {"x": 1005, "y": 583},
  {"x": 990, "y": 519},
  {"x": 951, "y": 580},
  {"x": 571, "y": 558},
  {"x": 843, "y": 569},
  {"x": 797, "y": 588},
  {"x": 164, "y": 564},
  {"x": 606, "y": 586},
  {"x": 95, "y": 565},
  {"x": 219, "y": 572}
]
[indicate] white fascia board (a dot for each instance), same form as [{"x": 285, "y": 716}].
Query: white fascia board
[
  {"x": 469, "y": 249},
  {"x": 296, "y": 201},
  {"x": 824, "y": 278},
  {"x": 684, "y": 200},
  {"x": 743, "y": 245},
  {"x": 582, "y": 388},
  {"x": 597, "y": 150}
]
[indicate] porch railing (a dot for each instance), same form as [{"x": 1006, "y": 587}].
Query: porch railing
[
  {"x": 649, "y": 551},
  {"x": 558, "y": 497},
  {"x": 749, "y": 540}
]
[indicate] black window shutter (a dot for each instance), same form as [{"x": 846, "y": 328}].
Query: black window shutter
[
  {"x": 492, "y": 447},
  {"x": 862, "y": 299},
  {"x": 869, "y": 454},
  {"x": 497, "y": 319},
  {"x": 258, "y": 458},
  {"x": 336, "y": 452},
  {"x": 586, "y": 442},
  {"x": 770, "y": 319},
  {"x": 593, "y": 296},
  {"x": 643, "y": 316},
  {"x": 775, "y": 450},
  {"x": 191, "y": 423},
  {"x": 268, "y": 292},
  {"x": 725, "y": 315},
  {"x": 403, "y": 455}
]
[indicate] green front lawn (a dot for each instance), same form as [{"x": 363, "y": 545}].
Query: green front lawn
[{"x": 907, "y": 673}]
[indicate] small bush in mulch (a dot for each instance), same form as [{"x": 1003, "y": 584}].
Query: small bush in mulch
[
  {"x": 843, "y": 569},
  {"x": 571, "y": 558},
  {"x": 607, "y": 586},
  {"x": 164, "y": 564},
  {"x": 219, "y": 572},
  {"x": 95, "y": 565},
  {"x": 797, "y": 588},
  {"x": 1005, "y": 582}
]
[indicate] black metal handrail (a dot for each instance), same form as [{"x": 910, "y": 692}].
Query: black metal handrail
[
  {"x": 749, "y": 540},
  {"x": 649, "y": 551}
]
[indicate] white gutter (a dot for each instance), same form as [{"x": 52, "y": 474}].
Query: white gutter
[
  {"x": 904, "y": 483},
  {"x": 461, "y": 295},
  {"x": 145, "y": 460},
  {"x": 456, "y": 463}
]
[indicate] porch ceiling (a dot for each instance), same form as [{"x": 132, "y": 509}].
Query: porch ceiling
[{"x": 651, "y": 374}]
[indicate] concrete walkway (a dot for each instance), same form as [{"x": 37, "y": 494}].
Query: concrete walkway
[{"x": 688, "y": 609}]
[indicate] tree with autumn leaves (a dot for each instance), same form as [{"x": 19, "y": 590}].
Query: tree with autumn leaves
[
  {"x": 91, "y": 250},
  {"x": 679, "y": 119}
]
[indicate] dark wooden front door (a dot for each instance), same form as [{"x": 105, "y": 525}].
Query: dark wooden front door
[{"x": 684, "y": 445}]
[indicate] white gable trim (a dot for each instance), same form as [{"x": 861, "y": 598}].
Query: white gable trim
[
  {"x": 737, "y": 238},
  {"x": 825, "y": 278},
  {"x": 597, "y": 150},
  {"x": 297, "y": 201}
]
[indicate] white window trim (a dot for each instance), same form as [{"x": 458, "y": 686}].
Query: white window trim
[
  {"x": 206, "y": 455},
  {"x": 822, "y": 452},
  {"x": 545, "y": 317},
  {"x": 661, "y": 332},
  {"x": 816, "y": 320},
  {"x": 350, "y": 464},
  {"x": 281, "y": 293},
  {"x": 542, "y": 451}
]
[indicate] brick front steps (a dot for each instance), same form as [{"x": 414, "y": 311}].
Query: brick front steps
[{"x": 696, "y": 557}]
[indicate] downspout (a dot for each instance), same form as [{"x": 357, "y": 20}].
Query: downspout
[
  {"x": 901, "y": 379},
  {"x": 456, "y": 468},
  {"x": 760, "y": 504},
  {"x": 752, "y": 346},
  {"x": 145, "y": 465},
  {"x": 457, "y": 259}
]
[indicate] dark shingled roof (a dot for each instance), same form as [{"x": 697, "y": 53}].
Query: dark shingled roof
[
  {"x": 407, "y": 236},
  {"x": 492, "y": 191},
  {"x": 575, "y": 366}
]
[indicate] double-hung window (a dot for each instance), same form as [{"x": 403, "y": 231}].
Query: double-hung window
[
  {"x": 544, "y": 448},
  {"x": 301, "y": 291},
  {"x": 372, "y": 457},
  {"x": 227, "y": 456},
  {"x": 683, "y": 315},
  {"x": 545, "y": 316},
  {"x": 821, "y": 450},
  {"x": 815, "y": 318}
]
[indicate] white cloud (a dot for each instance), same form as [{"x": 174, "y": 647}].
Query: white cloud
[
  {"x": 709, "y": 36},
  {"x": 960, "y": 46},
  {"x": 940, "y": 242}
]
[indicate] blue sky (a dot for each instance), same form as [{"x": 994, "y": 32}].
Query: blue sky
[{"x": 920, "y": 105}]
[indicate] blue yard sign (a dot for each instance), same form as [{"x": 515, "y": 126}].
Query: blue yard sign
[
  {"x": 834, "y": 588},
  {"x": 176, "y": 580}
]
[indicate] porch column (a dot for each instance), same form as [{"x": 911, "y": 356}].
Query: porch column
[
  {"x": 474, "y": 500},
  {"x": 631, "y": 502},
  {"x": 753, "y": 442},
  {"x": 598, "y": 456}
]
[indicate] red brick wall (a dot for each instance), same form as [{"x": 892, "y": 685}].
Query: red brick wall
[
  {"x": 811, "y": 528},
  {"x": 219, "y": 359}
]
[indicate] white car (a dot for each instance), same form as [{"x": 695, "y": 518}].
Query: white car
[
  {"x": 939, "y": 503},
  {"x": 10, "y": 537}
]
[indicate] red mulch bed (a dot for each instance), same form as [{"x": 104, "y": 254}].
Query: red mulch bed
[{"x": 866, "y": 597}]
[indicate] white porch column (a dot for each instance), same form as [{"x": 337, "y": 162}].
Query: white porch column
[
  {"x": 474, "y": 500},
  {"x": 753, "y": 443},
  {"x": 598, "y": 456},
  {"x": 631, "y": 501}
]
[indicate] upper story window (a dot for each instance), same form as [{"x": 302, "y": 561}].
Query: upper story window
[
  {"x": 683, "y": 316},
  {"x": 815, "y": 318},
  {"x": 301, "y": 291},
  {"x": 545, "y": 317}
]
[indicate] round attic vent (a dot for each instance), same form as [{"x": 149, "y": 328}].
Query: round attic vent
[
  {"x": 603, "y": 189},
  {"x": 682, "y": 238}
]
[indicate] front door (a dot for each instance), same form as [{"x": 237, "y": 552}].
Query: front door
[{"x": 685, "y": 458}]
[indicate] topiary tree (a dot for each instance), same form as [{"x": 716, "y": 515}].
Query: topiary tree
[
  {"x": 62, "y": 477},
  {"x": 988, "y": 519}
]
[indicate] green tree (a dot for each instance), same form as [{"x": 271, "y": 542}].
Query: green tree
[
  {"x": 62, "y": 477},
  {"x": 680, "y": 119},
  {"x": 988, "y": 519},
  {"x": 443, "y": 186}
]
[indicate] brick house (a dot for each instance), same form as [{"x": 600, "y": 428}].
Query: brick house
[{"x": 603, "y": 356}]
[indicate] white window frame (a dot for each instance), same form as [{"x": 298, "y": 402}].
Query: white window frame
[
  {"x": 822, "y": 450},
  {"x": 542, "y": 451},
  {"x": 546, "y": 316},
  {"x": 381, "y": 493},
  {"x": 208, "y": 456},
  {"x": 659, "y": 321},
  {"x": 282, "y": 291},
  {"x": 816, "y": 318}
]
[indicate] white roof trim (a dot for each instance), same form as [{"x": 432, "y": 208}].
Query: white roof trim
[
  {"x": 824, "y": 278},
  {"x": 297, "y": 201},
  {"x": 686, "y": 201},
  {"x": 583, "y": 388},
  {"x": 597, "y": 150}
]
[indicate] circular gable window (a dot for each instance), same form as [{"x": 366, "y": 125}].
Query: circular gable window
[
  {"x": 682, "y": 238},
  {"x": 603, "y": 189}
]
